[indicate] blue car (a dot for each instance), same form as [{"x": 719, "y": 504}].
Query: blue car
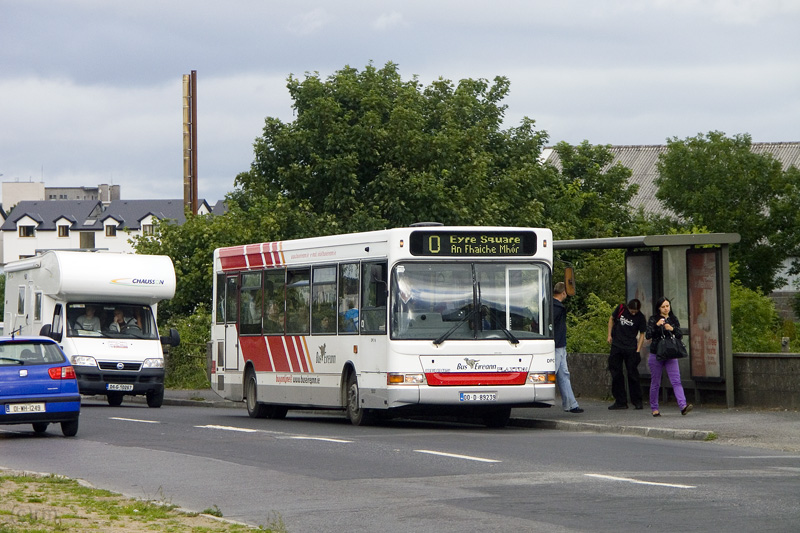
[{"x": 37, "y": 385}]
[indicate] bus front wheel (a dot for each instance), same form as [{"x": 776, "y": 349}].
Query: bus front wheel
[
  {"x": 358, "y": 416},
  {"x": 254, "y": 409}
]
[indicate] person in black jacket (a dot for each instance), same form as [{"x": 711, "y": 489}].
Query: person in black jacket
[
  {"x": 664, "y": 323},
  {"x": 626, "y": 328}
]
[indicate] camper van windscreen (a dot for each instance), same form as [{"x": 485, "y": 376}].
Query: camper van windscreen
[{"x": 108, "y": 319}]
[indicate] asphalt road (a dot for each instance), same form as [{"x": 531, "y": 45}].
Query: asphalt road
[{"x": 319, "y": 473}]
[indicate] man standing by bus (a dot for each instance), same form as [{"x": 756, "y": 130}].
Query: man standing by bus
[{"x": 568, "y": 401}]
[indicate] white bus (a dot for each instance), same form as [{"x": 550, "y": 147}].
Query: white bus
[{"x": 425, "y": 319}]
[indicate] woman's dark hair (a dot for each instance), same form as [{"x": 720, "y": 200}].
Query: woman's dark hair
[
  {"x": 660, "y": 301},
  {"x": 635, "y": 304}
]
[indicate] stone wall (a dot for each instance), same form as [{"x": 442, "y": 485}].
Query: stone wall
[{"x": 760, "y": 380}]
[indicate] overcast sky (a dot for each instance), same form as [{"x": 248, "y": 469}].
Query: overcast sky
[{"x": 90, "y": 90}]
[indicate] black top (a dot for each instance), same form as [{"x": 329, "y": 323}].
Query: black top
[
  {"x": 559, "y": 324},
  {"x": 627, "y": 328},
  {"x": 656, "y": 333}
]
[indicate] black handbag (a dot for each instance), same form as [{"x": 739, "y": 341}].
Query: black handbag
[{"x": 670, "y": 347}]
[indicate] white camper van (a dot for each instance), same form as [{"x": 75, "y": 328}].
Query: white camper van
[{"x": 101, "y": 308}]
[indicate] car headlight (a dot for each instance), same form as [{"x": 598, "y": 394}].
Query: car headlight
[
  {"x": 153, "y": 363},
  {"x": 82, "y": 360}
]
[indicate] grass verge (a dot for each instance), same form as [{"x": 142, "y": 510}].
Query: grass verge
[{"x": 43, "y": 503}]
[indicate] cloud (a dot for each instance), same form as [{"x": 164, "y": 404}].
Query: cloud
[{"x": 388, "y": 20}]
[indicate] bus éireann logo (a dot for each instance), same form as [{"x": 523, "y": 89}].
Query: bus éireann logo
[
  {"x": 471, "y": 362},
  {"x": 322, "y": 357}
]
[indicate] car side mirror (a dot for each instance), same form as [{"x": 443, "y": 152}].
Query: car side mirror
[{"x": 173, "y": 339}]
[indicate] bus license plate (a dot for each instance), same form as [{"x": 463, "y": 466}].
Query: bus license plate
[
  {"x": 14, "y": 408},
  {"x": 119, "y": 386},
  {"x": 478, "y": 397}
]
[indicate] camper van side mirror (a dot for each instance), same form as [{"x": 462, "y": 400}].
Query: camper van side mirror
[
  {"x": 46, "y": 331},
  {"x": 173, "y": 339}
]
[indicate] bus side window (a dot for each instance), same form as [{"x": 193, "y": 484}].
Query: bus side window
[
  {"x": 230, "y": 299},
  {"x": 220, "y": 298},
  {"x": 251, "y": 304},
  {"x": 298, "y": 300},
  {"x": 373, "y": 298},
  {"x": 348, "y": 298},
  {"x": 274, "y": 304}
]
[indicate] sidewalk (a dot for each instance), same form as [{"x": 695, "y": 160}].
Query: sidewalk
[{"x": 760, "y": 428}]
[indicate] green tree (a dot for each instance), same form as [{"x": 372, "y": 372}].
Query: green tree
[
  {"x": 718, "y": 182},
  {"x": 590, "y": 197},
  {"x": 373, "y": 150}
]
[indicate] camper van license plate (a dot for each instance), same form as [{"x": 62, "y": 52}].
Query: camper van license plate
[
  {"x": 13, "y": 408},
  {"x": 119, "y": 386}
]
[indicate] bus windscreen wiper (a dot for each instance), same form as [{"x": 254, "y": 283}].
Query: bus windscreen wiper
[
  {"x": 450, "y": 331},
  {"x": 511, "y": 338}
]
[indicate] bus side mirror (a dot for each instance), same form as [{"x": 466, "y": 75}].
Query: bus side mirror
[
  {"x": 569, "y": 280},
  {"x": 173, "y": 339}
]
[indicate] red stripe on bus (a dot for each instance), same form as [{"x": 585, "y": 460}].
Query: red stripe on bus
[
  {"x": 254, "y": 349},
  {"x": 293, "y": 353},
  {"x": 279, "y": 356},
  {"x": 232, "y": 258},
  {"x": 452, "y": 379},
  {"x": 255, "y": 257}
]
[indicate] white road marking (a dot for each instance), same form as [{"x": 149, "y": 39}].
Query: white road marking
[
  {"x": 326, "y": 439},
  {"x": 134, "y": 420},
  {"x": 638, "y": 482},
  {"x": 230, "y": 428},
  {"x": 457, "y": 456}
]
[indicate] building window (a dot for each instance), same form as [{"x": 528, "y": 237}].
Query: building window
[
  {"x": 63, "y": 231},
  {"x": 111, "y": 231},
  {"x": 147, "y": 229},
  {"x": 27, "y": 231}
]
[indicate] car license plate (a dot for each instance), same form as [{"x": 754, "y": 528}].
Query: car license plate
[
  {"x": 478, "y": 397},
  {"x": 119, "y": 386},
  {"x": 14, "y": 408}
]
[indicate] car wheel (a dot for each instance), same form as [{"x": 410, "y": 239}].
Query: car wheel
[
  {"x": 155, "y": 399},
  {"x": 40, "y": 427},
  {"x": 69, "y": 428},
  {"x": 114, "y": 399}
]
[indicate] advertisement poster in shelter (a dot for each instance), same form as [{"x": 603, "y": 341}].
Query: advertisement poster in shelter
[{"x": 704, "y": 345}]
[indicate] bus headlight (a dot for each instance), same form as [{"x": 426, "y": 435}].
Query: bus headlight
[
  {"x": 405, "y": 379},
  {"x": 153, "y": 363},
  {"x": 82, "y": 360},
  {"x": 540, "y": 378}
]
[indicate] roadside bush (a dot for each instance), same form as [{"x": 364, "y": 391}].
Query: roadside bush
[
  {"x": 755, "y": 324},
  {"x": 186, "y": 364},
  {"x": 588, "y": 332}
]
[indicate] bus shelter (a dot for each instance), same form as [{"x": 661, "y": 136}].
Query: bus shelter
[{"x": 693, "y": 272}]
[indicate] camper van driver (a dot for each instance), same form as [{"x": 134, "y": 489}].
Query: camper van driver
[{"x": 121, "y": 322}]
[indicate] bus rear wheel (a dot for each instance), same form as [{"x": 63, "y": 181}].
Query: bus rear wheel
[
  {"x": 358, "y": 416},
  {"x": 254, "y": 409}
]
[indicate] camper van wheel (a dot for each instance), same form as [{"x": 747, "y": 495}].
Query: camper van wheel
[
  {"x": 114, "y": 399},
  {"x": 358, "y": 416},
  {"x": 40, "y": 427},
  {"x": 155, "y": 399},
  {"x": 254, "y": 409}
]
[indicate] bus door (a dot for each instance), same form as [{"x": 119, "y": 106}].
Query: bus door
[
  {"x": 372, "y": 316},
  {"x": 231, "y": 337}
]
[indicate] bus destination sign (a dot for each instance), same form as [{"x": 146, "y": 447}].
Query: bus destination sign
[{"x": 476, "y": 243}]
